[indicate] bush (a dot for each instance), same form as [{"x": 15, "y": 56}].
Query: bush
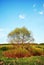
[
  {"x": 4, "y": 48},
  {"x": 17, "y": 53}
]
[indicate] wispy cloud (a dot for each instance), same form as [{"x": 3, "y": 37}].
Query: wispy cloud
[
  {"x": 43, "y": 5},
  {"x": 41, "y": 13},
  {"x": 34, "y": 5},
  {"x": 3, "y": 35},
  {"x": 21, "y": 16},
  {"x": 1, "y": 29}
]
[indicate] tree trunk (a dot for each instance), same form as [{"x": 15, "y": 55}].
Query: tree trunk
[{"x": 22, "y": 39}]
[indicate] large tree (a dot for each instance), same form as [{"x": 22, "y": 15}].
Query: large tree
[{"x": 20, "y": 35}]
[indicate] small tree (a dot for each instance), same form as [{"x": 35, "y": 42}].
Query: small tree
[{"x": 20, "y": 35}]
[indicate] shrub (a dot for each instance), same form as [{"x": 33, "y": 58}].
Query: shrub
[
  {"x": 4, "y": 48},
  {"x": 17, "y": 53}
]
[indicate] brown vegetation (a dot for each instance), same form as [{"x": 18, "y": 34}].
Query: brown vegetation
[{"x": 23, "y": 50}]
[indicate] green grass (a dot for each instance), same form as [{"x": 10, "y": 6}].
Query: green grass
[{"x": 34, "y": 60}]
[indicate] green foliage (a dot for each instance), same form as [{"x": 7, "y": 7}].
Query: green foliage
[
  {"x": 41, "y": 43},
  {"x": 4, "y": 48},
  {"x": 20, "y": 35}
]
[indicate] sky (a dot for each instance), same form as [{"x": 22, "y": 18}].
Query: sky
[{"x": 22, "y": 13}]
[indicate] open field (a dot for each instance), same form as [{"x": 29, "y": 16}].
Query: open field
[
  {"x": 21, "y": 50},
  {"x": 34, "y": 60},
  {"x": 22, "y": 54}
]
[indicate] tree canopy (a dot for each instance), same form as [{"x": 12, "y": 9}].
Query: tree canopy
[{"x": 20, "y": 35}]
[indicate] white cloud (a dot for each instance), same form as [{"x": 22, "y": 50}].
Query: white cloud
[
  {"x": 21, "y": 16},
  {"x": 3, "y": 35},
  {"x": 41, "y": 12},
  {"x": 1, "y": 29},
  {"x": 34, "y": 5},
  {"x": 43, "y": 5}
]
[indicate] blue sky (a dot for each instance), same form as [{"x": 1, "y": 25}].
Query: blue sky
[{"x": 19, "y": 13}]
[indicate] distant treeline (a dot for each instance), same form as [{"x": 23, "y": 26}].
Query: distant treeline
[{"x": 23, "y": 44}]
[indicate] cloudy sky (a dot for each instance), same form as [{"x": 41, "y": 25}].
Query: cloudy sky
[{"x": 19, "y": 13}]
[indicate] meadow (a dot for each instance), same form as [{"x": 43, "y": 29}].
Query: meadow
[{"x": 21, "y": 54}]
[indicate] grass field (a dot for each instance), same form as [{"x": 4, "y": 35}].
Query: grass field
[
  {"x": 21, "y": 54},
  {"x": 34, "y": 60}
]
